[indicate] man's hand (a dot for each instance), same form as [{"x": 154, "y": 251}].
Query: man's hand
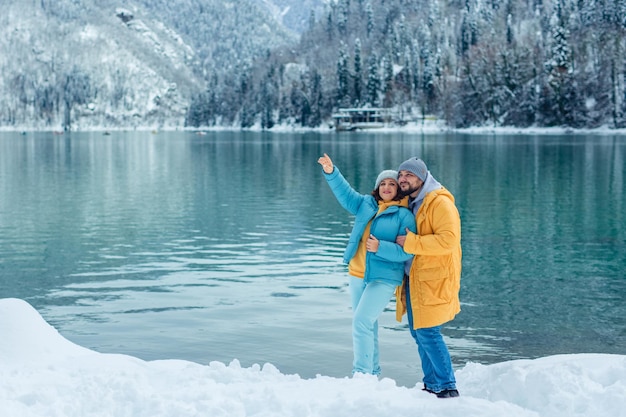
[{"x": 401, "y": 239}]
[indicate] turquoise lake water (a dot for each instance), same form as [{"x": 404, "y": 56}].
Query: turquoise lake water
[{"x": 228, "y": 245}]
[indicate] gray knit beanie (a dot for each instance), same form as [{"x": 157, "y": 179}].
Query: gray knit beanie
[
  {"x": 416, "y": 166},
  {"x": 388, "y": 173}
]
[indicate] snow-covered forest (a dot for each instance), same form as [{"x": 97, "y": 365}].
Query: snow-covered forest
[
  {"x": 75, "y": 64},
  {"x": 200, "y": 63},
  {"x": 468, "y": 62}
]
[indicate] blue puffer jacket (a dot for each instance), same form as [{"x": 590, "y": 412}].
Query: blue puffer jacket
[{"x": 387, "y": 264}]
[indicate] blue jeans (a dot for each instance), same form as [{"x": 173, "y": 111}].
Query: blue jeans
[
  {"x": 368, "y": 302},
  {"x": 436, "y": 362}
]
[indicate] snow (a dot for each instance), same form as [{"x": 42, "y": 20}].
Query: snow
[{"x": 44, "y": 374}]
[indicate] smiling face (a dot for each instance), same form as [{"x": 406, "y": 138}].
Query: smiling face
[
  {"x": 409, "y": 183},
  {"x": 388, "y": 189}
]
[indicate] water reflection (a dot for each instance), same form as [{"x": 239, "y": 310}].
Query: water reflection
[{"x": 229, "y": 245}]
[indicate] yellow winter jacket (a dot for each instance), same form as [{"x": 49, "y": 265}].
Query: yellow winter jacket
[{"x": 435, "y": 275}]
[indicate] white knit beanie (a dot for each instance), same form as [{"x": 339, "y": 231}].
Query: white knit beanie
[{"x": 388, "y": 173}]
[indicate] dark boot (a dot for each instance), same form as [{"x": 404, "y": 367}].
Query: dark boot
[
  {"x": 428, "y": 390},
  {"x": 448, "y": 393}
]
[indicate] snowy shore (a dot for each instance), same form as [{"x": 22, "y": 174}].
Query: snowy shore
[
  {"x": 410, "y": 128},
  {"x": 44, "y": 374}
]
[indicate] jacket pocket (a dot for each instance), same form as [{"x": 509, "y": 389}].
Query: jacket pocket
[{"x": 434, "y": 280}]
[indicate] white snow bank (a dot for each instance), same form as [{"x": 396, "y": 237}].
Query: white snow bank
[{"x": 43, "y": 374}]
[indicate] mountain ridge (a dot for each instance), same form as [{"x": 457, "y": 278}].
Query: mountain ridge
[{"x": 69, "y": 66}]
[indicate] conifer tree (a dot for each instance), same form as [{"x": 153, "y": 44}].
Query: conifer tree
[
  {"x": 560, "y": 98},
  {"x": 370, "y": 18},
  {"x": 358, "y": 73},
  {"x": 373, "y": 80},
  {"x": 343, "y": 76}
]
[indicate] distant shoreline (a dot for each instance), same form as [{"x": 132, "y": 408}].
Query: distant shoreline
[{"x": 409, "y": 128}]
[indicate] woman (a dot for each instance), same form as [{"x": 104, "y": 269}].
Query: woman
[{"x": 375, "y": 261}]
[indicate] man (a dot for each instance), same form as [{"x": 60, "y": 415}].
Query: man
[{"x": 430, "y": 291}]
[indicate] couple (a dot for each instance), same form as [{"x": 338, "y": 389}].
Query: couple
[{"x": 406, "y": 238}]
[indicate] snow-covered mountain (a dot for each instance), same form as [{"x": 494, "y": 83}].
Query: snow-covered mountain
[
  {"x": 75, "y": 65},
  {"x": 69, "y": 64},
  {"x": 295, "y": 15}
]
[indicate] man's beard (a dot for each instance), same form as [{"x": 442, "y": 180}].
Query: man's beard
[{"x": 410, "y": 190}]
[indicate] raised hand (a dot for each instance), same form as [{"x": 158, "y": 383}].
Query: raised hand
[{"x": 326, "y": 163}]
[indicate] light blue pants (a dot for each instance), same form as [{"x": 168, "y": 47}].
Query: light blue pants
[
  {"x": 368, "y": 302},
  {"x": 434, "y": 354}
]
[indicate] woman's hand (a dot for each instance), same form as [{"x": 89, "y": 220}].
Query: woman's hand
[
  {"x": 326, "y": 163},
  {"x": 372, "y": 244}
]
